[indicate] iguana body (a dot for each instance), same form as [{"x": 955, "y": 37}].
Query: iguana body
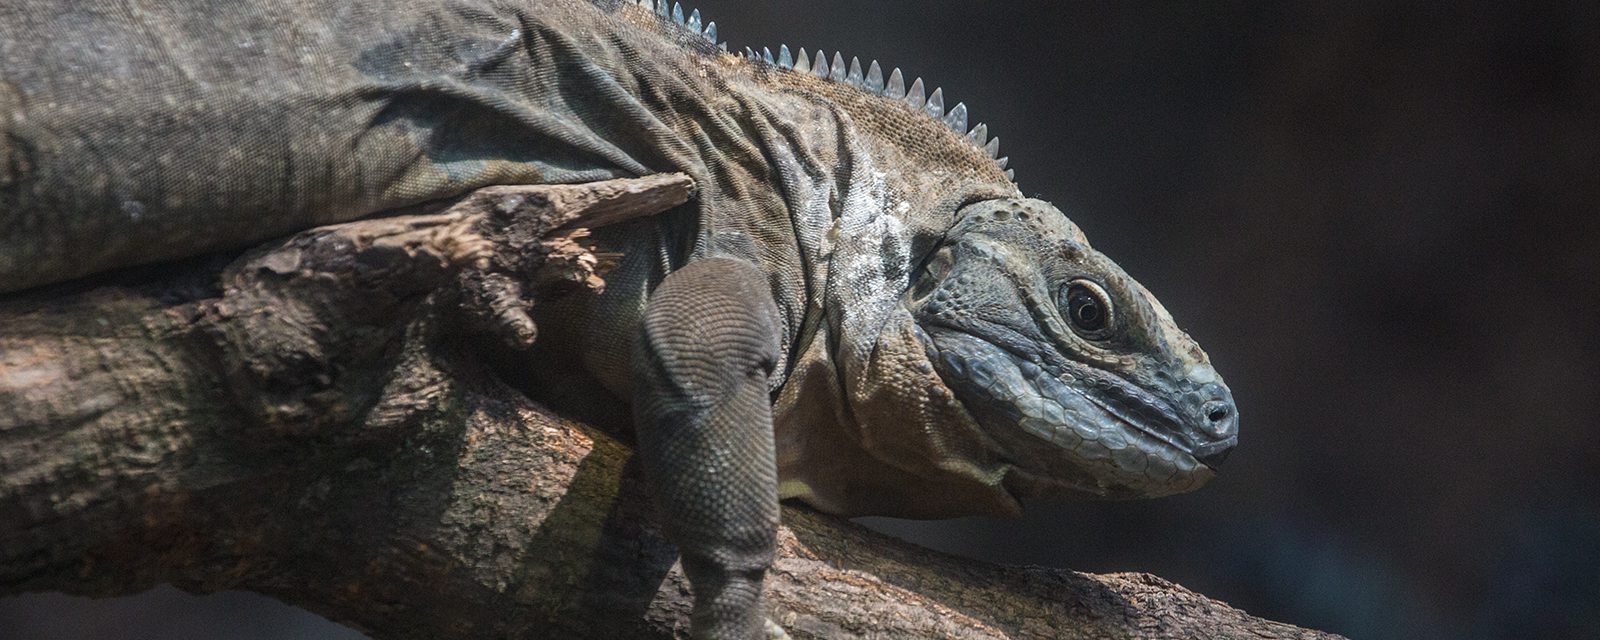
[{"x": 858, "y": 309}]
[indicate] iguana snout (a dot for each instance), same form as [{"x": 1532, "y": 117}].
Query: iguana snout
[{"x": 1077, "y": 373}]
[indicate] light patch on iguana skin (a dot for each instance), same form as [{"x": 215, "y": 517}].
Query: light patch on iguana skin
[{"x": 899, "y": 416}]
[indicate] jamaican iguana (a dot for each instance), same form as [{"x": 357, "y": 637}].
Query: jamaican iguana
[{"x": 859, "y": 309}]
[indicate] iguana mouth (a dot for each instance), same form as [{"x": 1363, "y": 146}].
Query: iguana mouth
[{"x": 1066, "y": 435}]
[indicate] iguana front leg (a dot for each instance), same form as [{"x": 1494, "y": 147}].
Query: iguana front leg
[{"x": 708, "y": 344}]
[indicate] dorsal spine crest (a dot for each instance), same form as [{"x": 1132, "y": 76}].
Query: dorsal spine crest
[{"x": 871, "y": 80}]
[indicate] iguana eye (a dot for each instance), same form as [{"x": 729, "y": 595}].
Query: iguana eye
[{"x": 1088, "y": 308}]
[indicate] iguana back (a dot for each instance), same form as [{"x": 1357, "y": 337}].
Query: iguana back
[{"x": 133, "y": 133}]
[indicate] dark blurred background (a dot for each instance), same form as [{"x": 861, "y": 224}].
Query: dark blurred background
[{"x": 1381, "y": 219}]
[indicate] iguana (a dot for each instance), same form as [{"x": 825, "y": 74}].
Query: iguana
[{"x": 859, "y": 309}]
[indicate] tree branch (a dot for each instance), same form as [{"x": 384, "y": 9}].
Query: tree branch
[{"x": 312, "y": 420}]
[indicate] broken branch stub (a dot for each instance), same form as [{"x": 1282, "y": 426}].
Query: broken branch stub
[{"x": 542, "y": 231}]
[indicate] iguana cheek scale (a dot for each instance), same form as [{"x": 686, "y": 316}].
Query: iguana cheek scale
[{"x": 859, "y": 309}]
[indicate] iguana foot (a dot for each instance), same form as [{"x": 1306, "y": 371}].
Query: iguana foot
[{"x": 707, "y": 346}]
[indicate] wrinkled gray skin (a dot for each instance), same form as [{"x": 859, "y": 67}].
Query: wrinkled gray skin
[{"x": 859, "y": 309}]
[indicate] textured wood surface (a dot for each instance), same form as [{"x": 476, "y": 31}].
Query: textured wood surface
[{"x": 313, "y": 420}]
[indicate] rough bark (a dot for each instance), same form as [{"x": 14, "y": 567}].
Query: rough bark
[{"x": 313, "y": 420}]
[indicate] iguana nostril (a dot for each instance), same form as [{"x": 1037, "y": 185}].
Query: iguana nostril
[
  {"x": 1220, "y": 417},
  {"x": 1218, "y": 414}
]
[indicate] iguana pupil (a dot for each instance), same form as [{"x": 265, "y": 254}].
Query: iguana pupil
[{"x": 1085, "y": 309}]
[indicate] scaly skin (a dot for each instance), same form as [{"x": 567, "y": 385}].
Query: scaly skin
[{"x": 859, "y": 310}]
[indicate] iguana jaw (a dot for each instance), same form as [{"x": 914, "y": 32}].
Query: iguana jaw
[{"x": 1064, "y": 439}]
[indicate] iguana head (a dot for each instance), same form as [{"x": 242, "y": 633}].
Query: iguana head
[
  {"x": 1076, "y": 373},
  {"x": 1016, "y": 362}
]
